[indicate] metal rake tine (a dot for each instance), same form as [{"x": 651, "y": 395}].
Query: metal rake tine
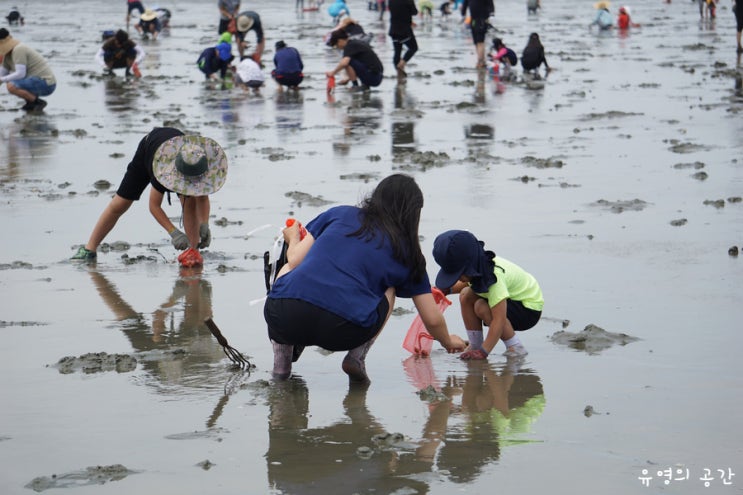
[
  {"x": 233, "y": 354},
  {"x": 237, "y": 357}
]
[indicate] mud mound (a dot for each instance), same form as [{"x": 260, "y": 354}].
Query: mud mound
[
  {"x": 592, "y": 339},
  {"x": 95, "y": 362},
  {"x": 93, "y": 475}
]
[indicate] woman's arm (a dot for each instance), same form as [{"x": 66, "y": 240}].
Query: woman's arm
[
  {"x": 298, "y": 247},
  {"x": 435, "y": 323}
]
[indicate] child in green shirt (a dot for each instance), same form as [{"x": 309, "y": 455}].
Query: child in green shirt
[{"x": 492, "y": 290}]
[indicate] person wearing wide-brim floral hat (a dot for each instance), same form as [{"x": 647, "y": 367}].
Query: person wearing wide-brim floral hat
[{"x": 191, "y": 166}]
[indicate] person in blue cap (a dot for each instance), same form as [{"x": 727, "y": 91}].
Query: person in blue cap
[{"x": 492, "y": 291}]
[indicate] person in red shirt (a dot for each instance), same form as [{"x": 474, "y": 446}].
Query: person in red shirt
[{"x": 624, "y": 21}]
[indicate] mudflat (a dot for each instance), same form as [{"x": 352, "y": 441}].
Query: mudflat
[{"x": 617, "y": 182}]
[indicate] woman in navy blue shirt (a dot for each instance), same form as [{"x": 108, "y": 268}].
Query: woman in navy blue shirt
[{"x": 339, "y": 284}]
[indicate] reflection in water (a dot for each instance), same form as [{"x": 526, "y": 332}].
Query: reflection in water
[
  {"x": 479, "y": 131},
  {"x": 403, "y": 132},
  {"x": 738, "y": 77},
  {"x": 362, "y": 118},
  {"x": 402, "y": 100},
  {"x": 479, "y": 97},
  {"x": 218, "y": 95},
  {"x": 289, "y": 111},
  {"x": 151, "y": 64},
  {"x": 121, "y": 94},
  {"x": 403, "y": 137},
  {"x": 192, "y": 346},
  {"x": 479, "y": 134},
  {"x": 473, "y": 418},
  {"x": 328, "y": 459},
  {"x": 707, "y": 24},
  {"x": 26, "y": 141},
  {"x": 230, "y": 115},
  {"x": 363, "y": 115}
]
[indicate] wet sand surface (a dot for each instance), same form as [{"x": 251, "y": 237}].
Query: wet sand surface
[{"x": 618, "y": 185}]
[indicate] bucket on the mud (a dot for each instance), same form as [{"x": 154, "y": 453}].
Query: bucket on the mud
[{"x": 190, "y": 257}]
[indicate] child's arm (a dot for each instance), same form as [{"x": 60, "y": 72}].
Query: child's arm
[{"x": 495, "y": 319}]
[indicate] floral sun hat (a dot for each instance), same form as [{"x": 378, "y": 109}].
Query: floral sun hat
[{"x": 190, "y": 165}]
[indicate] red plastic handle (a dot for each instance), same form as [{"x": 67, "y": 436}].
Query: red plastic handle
[
  {"x": 439, "y": 296},
  {"x": 302, "y": 230}
]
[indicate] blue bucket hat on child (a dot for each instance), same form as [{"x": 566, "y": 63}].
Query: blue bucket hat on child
[{"x": 456, "y": 252}]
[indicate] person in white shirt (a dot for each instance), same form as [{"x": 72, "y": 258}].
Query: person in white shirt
[{"x": 249, "y": 74}]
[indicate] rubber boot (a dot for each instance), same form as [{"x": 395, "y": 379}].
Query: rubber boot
[
  {"x": 354, "y": 364},
  {"x": 282, "y": 360}
]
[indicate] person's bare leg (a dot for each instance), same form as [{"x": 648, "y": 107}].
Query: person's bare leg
[
  {"x": 200, "y": 214},
  {"x": 190, "y": 205},
  {"x": 480, "y": 50},
  {"x": 506, "y": 334},
  {"x": 204, "y": 209},
  {"x": 107, "y": 221},
  {"x": 21, "y": 93},
  {"x": 467, "y": 300},
  {"x": 350, "y": 75}
]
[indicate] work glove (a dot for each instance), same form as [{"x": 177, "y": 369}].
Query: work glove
[
  {"x": 179, "y": 239},
  {"x": 205, "y": 236},
  {"x": 473, "y": 354}
]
